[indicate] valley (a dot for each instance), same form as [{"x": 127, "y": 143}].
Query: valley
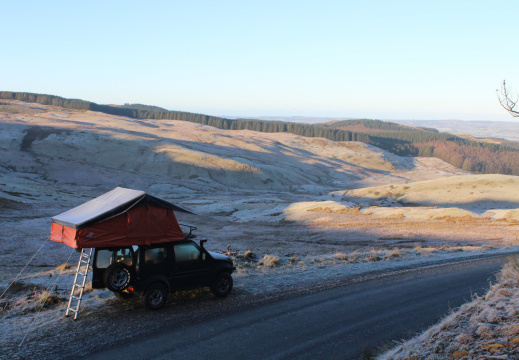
[{"x": 291, "y": 210}]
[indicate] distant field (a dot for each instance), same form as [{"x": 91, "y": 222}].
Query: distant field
[{"x": 479, "y": 129}]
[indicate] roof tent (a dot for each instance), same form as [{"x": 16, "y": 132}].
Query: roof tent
[{"x": 121, "y": 217}]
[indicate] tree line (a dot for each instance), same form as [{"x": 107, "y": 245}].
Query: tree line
[
  {"x": 401, "y": 140},
  {"x": 379, "y": 125}
]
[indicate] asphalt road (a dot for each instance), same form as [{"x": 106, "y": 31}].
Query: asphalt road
[{"x": 340, "y": 323}]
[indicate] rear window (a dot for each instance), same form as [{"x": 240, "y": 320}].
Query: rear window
[{"x": 104, "y": 259}]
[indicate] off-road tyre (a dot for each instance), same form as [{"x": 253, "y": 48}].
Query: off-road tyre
[
  {"x": 222, "y": 284},
  {"x": 155, "y": 296},
  {"x": 117, "y": 277},
  {"x": 124, "y": 295}
]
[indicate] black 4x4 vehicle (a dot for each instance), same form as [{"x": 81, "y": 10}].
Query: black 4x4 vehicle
[{"x": 155, "y": 270}]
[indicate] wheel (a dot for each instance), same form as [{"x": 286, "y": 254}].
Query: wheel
[
  {"x": 155, "y": 296},
  {"x": 123, "y": 295},
  {"x": 222, "y": 284},
  {"x": 117, "y": 277}
]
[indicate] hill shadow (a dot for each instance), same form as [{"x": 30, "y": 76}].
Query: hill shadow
[{"x": 279, "y": 165}]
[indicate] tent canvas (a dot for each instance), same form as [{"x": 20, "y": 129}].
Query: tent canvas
[{"x": 120, "y": 217}]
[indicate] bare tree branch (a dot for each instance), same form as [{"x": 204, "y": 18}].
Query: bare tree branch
[{"x": 506, "y": 100}]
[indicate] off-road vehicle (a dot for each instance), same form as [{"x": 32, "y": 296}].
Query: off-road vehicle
[{"x": 155, "y": 270}]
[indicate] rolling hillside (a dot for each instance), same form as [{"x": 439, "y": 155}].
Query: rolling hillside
[
  {"x": 92, "y": 149},
  {"x": 470, "y": 155}
]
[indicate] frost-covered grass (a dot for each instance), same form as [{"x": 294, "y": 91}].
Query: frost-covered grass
[
  {"x": 487, "y": 327},
  {"x": 254, "y": 275},
  {"x": 249, "y": 260},
  {"x": 29, "y": 300}
]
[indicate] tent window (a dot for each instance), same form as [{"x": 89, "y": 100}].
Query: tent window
[
  {"x": 186, "y": 252},
  {"x": 155, "y": 256}
]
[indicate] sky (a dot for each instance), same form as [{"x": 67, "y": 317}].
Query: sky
[{"x": 427, "y": 60}]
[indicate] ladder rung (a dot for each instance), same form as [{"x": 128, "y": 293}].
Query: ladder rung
[
  {"x": 80, "y": 273},
  {"x": 74, "y": 310}
]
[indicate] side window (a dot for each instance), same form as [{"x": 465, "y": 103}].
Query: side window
[
  {"x": 125, "y": 256},
  {"x": 186, "y": 252},
  {"x": 103, "y": 259},
  {"x": 155, "y": 256}
]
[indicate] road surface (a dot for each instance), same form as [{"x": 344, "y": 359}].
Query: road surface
[{"x": 345, "y": 322}]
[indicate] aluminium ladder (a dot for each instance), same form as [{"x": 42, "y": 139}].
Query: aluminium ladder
[{"x": 79, "y": 282}]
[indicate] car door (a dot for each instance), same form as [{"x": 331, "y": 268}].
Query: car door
[
  {"x": 156, "y": 260},
  {"x": 192, "y": 266}
]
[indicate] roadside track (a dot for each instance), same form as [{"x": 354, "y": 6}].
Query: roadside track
[{"x": 329, "y": 321}]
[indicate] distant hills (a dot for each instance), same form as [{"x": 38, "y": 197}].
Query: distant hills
[
  {"x": 467, "y": 154},
  {"x": 508, "y": 130}
]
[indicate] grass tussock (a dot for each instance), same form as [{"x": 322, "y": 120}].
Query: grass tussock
[
  {"x": 373, "y": 255},
  {"x": 392, "y": 254},
  {"x": 341, "y": 256},
  {"x": 63, "y": 267},
  {"x": 47, "y": 297},
  {"x": 487, "y": 327},
  {"x": 270, "y": 261}
]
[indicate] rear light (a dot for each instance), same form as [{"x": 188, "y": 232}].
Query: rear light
[{"x": 130, "y": 288}]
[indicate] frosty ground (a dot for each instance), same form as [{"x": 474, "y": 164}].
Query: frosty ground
[
  {"x": 275, "y": 252},
  {"x": 294, "y": 213}
]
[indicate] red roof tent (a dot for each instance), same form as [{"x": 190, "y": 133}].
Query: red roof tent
[{"x": 120, "y": 217}]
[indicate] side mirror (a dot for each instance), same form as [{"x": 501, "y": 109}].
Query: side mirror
[{"x": 202, "y": 242}]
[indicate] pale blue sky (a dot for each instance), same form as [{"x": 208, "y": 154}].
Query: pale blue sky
[{"x": 372, "y": 59}]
